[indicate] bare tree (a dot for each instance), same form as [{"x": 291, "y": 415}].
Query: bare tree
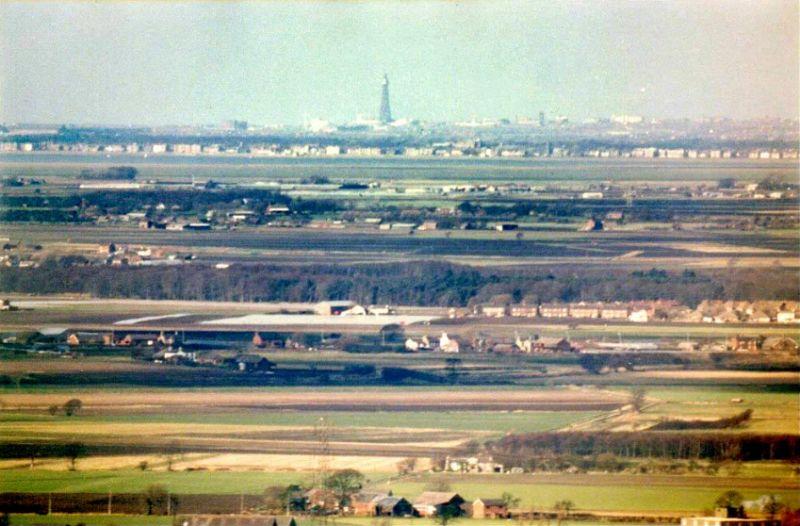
[
  {"x": 563, "y": 509},
  {"x": 155, "y": 496},
  {"x": 638, "y": 398},
  {"x": 772, "y": 506}
]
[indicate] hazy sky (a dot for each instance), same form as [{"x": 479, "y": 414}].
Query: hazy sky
[{"x": 284, "y": 62}]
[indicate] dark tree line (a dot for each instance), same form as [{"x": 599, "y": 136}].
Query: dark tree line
[
  {"x": 72, "y": 208},
  {"x": 720, "y": 423},
  {"x": 649, "y": 444},
  {"x": 127, "y": 173},
  {"x": 413, "y": 283}
]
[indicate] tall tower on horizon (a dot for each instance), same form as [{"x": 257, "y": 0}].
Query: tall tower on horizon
[{"x": 385, "y": 115}]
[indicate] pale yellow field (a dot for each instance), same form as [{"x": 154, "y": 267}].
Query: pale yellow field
[{"x": 224, "y": 462}]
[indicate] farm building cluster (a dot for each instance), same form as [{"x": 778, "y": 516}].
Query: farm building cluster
[{"x": 380, "y": 504}]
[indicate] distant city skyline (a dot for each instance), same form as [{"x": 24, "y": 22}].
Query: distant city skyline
[{"x": 154, "y": 63}]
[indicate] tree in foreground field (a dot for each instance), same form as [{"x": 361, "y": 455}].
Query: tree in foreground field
[
  {"x": 729, "y": 499},
  {"x": 273, "y": 499},
  {"x": 155, "y": 496},
  {"x": 406, "y": 466},
  {"x": 446, "y": 515},
  {"x": 563, "y": 509},
  {"x": 772, "y": 506},
  {"x": 510, "y": 500},
  {"x": 72, "y": 406},
  {"x": 283, "y": 499},
  {"x": 638, "y": 398},
  {"x": 73, "y": 451}
]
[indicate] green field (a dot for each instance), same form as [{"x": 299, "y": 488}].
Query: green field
[
  {"x": 585, "y": 493},
  {"x": 128, "y": 481},
  {"x": 773, "y": 412},
  {"x": 66, "y": 167},
  {"x": 636, "y": 498},
  {"x": 59, "y": 519}
]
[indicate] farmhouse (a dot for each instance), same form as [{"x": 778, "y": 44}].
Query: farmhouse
[
  {"x": 394, "y": 507},
  {"x": 432, "y": 503},
  {"x": 319, "y": 499},
  {"x": 364, "y": 503},
  {"x": 489, "y": 509}
]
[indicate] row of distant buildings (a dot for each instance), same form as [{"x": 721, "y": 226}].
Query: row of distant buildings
[
  {"x": 445, "y": 149},
  {"x": 709, "y": 311}
]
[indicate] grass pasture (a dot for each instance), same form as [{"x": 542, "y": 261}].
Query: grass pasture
[
  {"x": 612, "y": 493},
  {"x": 588, "y": 492},
  {"x": 58, "y": 519}
]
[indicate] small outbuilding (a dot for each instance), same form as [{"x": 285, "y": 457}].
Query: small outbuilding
[{"x": 489, "y": 509}]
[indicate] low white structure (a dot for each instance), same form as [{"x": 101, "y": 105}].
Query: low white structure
[{"x": 448, "y": 345}]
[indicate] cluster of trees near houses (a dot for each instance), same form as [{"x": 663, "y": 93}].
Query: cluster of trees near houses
[
  {"x": 52, "y": 208},
  {"x": 78, "y": 207},
  {"x": 407, "y": 283}
]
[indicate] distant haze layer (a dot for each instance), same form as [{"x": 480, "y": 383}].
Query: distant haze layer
[{"x": 287, "y": 62}]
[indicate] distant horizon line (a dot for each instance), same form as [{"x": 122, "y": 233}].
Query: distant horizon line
[{"x": 365, "y": 121}]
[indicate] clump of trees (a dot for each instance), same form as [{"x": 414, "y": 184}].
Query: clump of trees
[
  {"x": 520, "y": 449},
  {"x": 70, "y": 408},
  {"x": 283, "y": 499},
  {"x": 126, "y": 173},
  {"x": 343, "y": 483},
  {"x": 73, "y": 406}
]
